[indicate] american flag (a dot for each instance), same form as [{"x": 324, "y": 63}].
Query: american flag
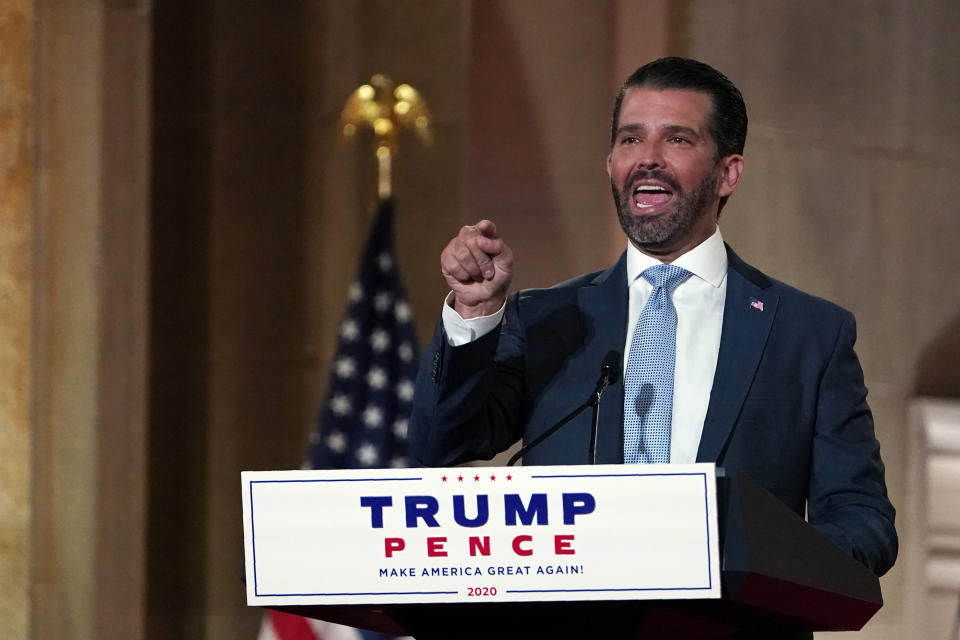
[{"x": 363, "y": 422}]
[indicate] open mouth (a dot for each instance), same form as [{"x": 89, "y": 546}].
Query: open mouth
[{"x": 650, "y": 196}]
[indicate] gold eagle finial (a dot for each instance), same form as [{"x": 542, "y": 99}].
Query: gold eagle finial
[{"x": 385, "y": 108}]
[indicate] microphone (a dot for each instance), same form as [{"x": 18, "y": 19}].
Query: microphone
[{"x": 609, "y": 374}]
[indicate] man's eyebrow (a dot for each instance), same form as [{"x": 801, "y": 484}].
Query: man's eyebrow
[
  {"x": 633, "y": 127},
  {"x": 636, "y": 127},
  {"x": 679, "y": 128}
]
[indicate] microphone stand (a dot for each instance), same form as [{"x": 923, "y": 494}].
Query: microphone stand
[
  {"x": 595, "y": 424},
  {"x": 606, "y": 377}
]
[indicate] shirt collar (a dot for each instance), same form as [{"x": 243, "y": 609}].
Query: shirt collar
[{"x": 707, "y": 260}]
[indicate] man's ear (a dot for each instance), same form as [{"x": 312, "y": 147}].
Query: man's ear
[
  {"x": 731, "y": 168},
  {"x": 609, "y": 160}
]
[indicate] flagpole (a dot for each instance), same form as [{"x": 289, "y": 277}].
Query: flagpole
[
  {"x": 384, "y": 179},
  {"x": 384, "y": 108}
]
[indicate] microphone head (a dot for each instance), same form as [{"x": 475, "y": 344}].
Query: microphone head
[{"x": 612, "y": 368}]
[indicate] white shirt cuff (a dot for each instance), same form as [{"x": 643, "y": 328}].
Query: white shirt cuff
[{"x": 461, "y": 331}]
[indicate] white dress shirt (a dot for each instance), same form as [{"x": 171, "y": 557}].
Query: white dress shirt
[{"x": 699, "y": 303}]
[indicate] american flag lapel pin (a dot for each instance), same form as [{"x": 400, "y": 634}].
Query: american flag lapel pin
[{"x": 756, "y": 303}]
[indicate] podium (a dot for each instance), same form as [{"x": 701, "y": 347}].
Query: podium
[{"x": 780, "y": 578}]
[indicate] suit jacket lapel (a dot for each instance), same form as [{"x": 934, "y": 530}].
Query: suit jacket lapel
[
  {"x": 748, "y": 315},
  {"x": 604, "y": 305}
]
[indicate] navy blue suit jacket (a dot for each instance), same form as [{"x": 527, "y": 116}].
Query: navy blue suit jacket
[{"x": 788, "y": 404}]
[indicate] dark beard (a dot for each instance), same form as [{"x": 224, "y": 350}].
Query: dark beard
[{"x": 654, "y": 233}]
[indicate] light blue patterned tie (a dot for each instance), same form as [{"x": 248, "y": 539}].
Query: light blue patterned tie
[{"x": 648, "y": 383}]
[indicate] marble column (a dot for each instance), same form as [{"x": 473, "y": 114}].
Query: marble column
[
  {"x": 16, "y": 290},
  {"x": 88, "y": 362}
]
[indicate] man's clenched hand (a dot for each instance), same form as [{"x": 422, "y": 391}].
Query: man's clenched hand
[{"x": 477, "y": 265}]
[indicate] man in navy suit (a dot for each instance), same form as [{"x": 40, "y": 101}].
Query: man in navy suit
[{"x": 765, "y": 381}]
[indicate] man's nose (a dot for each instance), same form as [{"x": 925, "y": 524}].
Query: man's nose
[{"x": 649, "y": 156}]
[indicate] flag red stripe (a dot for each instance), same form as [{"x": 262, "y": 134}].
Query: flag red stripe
[{"x": 291, "y": 627}]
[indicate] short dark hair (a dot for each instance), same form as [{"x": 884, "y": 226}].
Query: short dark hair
[{"x": 728, "y": 119}]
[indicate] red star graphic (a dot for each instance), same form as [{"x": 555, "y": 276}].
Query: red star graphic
[
  {"x": 443, "y": 479},
  {"x": 509, "y": 478},
  {"x": 476, "y": 478},
  {"x": 493, "y": 477},
  {"x": 459, "y": 478}
]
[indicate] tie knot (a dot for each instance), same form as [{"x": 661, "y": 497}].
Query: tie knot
[{"x": 667, "y": 276}]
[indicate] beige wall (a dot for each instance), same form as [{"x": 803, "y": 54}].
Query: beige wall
[
  {"x": 197, "y": 224},
  {"x": 538, "y": 136},
  {"x": 850, "y": 188}
]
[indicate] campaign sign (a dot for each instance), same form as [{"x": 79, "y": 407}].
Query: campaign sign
[{"x": 480, "y": 534}]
